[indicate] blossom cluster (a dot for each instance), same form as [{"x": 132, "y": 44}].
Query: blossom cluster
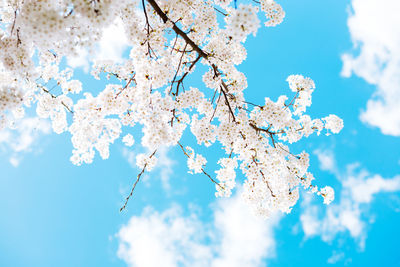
[{"x": 168, "y": 40}]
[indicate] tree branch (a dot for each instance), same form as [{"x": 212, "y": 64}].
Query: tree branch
[
  {"x": 176, "y": 29},
  {"x": 204, "y": 172},
  {"x": 134, "y": 185}
]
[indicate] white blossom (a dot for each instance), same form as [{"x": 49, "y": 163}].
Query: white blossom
[
  {"x": 147, "y": 162},
  {"x": 333, "y": 123},
  {"x": 195, "y": 162},
  {"x": 328, "y": 194},
  {"x": 149, "y": 89},
  {"x": 273, "y": 12}
]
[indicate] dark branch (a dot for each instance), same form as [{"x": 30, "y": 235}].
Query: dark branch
[
  {"x": 134, "y": 185},
  {"x": 176, "y": 29}
]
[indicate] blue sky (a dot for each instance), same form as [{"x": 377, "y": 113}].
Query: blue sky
[{"x": 57, "y": 214}]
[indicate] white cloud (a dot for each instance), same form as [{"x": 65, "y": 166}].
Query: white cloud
[
  {"x": 112, "y": 45},
  {"x": 245, "y": 240},
  {"x": 309, "y": 221},
  {"x": 349, "y": 213},
  {"x": 375, "y": 32},
  {"x": 163, "y": 239},
  {"x": 129, "y": 156},
  {"x": 362, "y": 190},
  {"x": 336, "y": 257},
  {"x": 165, "y": 164},
  {"x": 23, "y": 138},
  {"x": 235, "y": 238},
  {"x": 329, "y": 222},
  {"x": 14, "y": 160},
  {"x": 113, "y": 42},
  {"x": 326, "y": 160}
]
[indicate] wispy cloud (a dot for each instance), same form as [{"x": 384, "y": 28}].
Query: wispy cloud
[
  {"x": 375, "y": 32},
  {"x": 129, "y": 156},
  {"x": 23, "y": 138},
  {"x": 165, "y": 167},
  {"x": 326, "y": 160},
  {"x": 350, "y": 212},
  {"x": 336, "y": 257},
  {"x": 171, "y": 238},
  {"x": 162, "y": 239},
  {"x": 244, "y": 240}
]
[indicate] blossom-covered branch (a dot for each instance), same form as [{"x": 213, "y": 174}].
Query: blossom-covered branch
[{"x": 168, "y": 40}]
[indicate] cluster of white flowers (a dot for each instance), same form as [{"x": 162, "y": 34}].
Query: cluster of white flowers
[
  {"x": 304, "y": 88},
  {"x": 10, "y": 98},
  {"x": 144, "y": 161},
  {"x": 168, "y": 39},
  {"x": 328, "y": 194},
  {"x": 242, "y": 22},
  {"x": 226, "y": 176},
  {"x": 273, "y": 12},
  {"x": 333, "y": 123},
  {"x": 195, "y": 162}
]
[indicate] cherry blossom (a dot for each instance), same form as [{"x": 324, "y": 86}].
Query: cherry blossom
[{"x": 168, "y": 41}]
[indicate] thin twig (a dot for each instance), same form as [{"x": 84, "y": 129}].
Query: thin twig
[
  {"x": 266, "y": 181},
  {"x": 252, "y": 104},
  {"x": 204, "y": 172},
  {"x": 180, "y": 81},
  {"x": 216, "y": 106},
  {"x": 148, "y": 28},
  {"x": 134, "y": 185},
  {"x": 228, "y": 104},
  {"x": 264, "y": 178},
  {"x": 291, "y": 102},
  {"x": 177, "y": 69},
  {"x": 219, "y": 11},
  {"x": 13, "y": 25},
  {"x": 126, "y": 86},
  {"x": 290, "y": 153},
  {"x": 53, "y": 96},
  {"x": 271, "y": 134}
]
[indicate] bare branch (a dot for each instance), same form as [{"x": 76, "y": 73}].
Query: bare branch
[
  {"x": 177, "y": 70},
  {"x": 134, "y": 185}
]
